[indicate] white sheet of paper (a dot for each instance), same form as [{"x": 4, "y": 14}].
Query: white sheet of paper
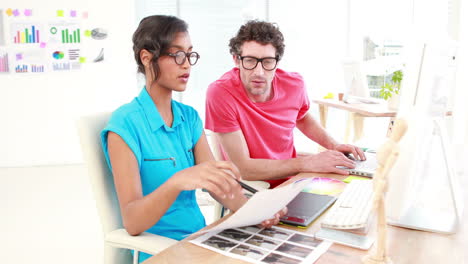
[{"x": 263, "y": 205}]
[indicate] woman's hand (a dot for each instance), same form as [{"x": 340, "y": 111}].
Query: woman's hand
[
  {"x": 217, "y": 177},
  {"x": 275, "y": 220}
]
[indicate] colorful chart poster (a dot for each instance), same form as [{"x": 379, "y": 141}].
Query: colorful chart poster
[
  {"x": 4, "y": 65},
  {"x": 55, "y": 44},
  {"x": 28, "y": 61},
  {"x": 65, "y": 33},
  {"x": 63, "y": 58},
  {"x": 26, "y": 33}
]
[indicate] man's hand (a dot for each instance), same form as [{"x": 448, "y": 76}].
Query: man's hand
[
  {"x": 357, "y": 152},
  {"x": 325, "y": 162}
]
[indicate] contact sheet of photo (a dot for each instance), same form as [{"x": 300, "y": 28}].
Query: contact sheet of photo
[{"x": 260, "y": 245}]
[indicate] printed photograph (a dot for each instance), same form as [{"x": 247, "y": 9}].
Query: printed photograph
[
  {"x": 305, "y": 240},
  {"x": 219, "y": 243},
  {"x": 263, "y": 242},
  {"x": 279, "y": 259},
  {"x": 247, "y": 251},
  {"x": 253, "y": 229},
  {"x": 235, "y": 234},
  {"x": 275, "y": 233},
  {"x": 297, "y": 251}
]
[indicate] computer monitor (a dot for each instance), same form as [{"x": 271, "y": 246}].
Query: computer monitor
[{"x": 423, "y": 192}]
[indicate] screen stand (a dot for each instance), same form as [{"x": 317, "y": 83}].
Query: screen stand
[{"x": 423, "y": 218}]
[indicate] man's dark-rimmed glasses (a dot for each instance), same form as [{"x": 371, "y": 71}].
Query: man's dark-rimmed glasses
[{"x": 250, "y": 63}]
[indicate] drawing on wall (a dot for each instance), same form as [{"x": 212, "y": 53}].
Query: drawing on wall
[
  {"x": 100, "y": 56},
  {"x": 26, "y": 33},
  {"x": 4, "y": 66},
  {"x": 64, "y": 58},
  {"x": 28, "y": 60},
  {"x": 64, "y": 33},
  {"x": 58, "y": 43},
  {"x": 99, "y": 33}
]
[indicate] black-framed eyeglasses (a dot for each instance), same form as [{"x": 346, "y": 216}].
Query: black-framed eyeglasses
[
  {"x": 250, "y": 63},
  {"x": 180, "y": 56}
]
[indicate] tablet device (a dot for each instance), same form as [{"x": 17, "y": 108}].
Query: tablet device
[{"x": 306, "y": 207}]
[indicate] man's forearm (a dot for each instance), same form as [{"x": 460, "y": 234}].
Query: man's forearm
[
  {"x": 265, "y": 169},
  {"x": 314, "y": 131}
]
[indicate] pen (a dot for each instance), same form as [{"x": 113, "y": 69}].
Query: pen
[{"x": 247, "y": 187}]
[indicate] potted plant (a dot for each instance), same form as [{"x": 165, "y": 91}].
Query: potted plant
[{"x": 391, "y": 91}]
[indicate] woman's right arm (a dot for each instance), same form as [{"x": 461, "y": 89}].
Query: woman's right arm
[{"x": 139, "y": 212}]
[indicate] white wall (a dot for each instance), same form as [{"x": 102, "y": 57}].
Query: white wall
[{"x": 38, "y": 111}]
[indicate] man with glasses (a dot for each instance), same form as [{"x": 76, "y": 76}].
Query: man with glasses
[{"x": 254, "y": 108}]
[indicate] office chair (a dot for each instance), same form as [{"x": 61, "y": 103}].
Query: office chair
[
  {"x": 117, "y": 242},
  {"x": 215, "y": 147}
]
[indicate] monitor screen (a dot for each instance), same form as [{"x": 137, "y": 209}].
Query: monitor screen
[
  {"x": 423, "y": 189},
  {"x": 355, "y": 80}
]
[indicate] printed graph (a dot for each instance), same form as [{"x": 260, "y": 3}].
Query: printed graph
[
  {"x": 23, "y": 68},
  {"x": 65, "y": 33},
  {"x": 22, "y": 34},
  {"x": 61, "y": 66},
  {"x": 4, "y": 62},
  {"x": 37, "y": 68}
]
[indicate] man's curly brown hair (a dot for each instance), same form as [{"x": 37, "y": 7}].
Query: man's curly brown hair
[{"x": 259, "y": 31}]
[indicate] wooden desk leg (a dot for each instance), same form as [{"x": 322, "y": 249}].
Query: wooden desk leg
[
  {"x": 358, "y": 126},
  {"x": 355, "y": 122},
  {"x": 349, "y": 124},
  {"x": 323, "y": 110}
]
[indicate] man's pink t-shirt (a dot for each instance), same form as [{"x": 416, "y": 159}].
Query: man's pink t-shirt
[{"x": 268, "y": 126}]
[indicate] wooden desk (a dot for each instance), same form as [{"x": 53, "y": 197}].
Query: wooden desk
[
  {"x": 405, "y": 245},
  {"x": 357, "y": 112}
]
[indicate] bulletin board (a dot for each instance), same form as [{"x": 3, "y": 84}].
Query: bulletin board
[
  {"x": 50, "y": 40},
  {"x": 59, "y": 61}
]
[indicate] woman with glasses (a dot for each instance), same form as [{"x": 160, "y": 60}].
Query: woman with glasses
[{"x": 156, "y": 147}]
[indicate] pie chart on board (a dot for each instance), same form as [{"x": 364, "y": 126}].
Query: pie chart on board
[
  {"x": 58, "y": 55},
  {"x": 325, "y": 186}
]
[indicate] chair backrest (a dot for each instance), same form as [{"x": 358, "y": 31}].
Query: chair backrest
[
  {"x": 216, "y": 149},
  {"x": 101, "y": 179}
]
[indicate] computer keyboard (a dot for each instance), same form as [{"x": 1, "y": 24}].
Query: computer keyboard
[
  {"x": 367, "y": 165},
  {"x": 352, "y": 208}
]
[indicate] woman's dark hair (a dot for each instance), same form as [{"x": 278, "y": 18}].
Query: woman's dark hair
[
  {"x": 259, "y": 31},
  {"x": 155, "y": 34}
]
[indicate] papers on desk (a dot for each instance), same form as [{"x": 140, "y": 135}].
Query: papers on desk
[
  {"x": 259, "y": 245},
  {"x": 263, "y": 205}
]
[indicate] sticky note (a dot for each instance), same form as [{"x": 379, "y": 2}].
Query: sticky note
[
  {"x": 28, "y": 12},
  {"x": 19, "y": 56},
  {"x": 87, "y": 33},
  {"x": 73, "y": 13},
  {"x": 84, "y": 15},
  {"x": 82, "y": 59},
  {"x": 329, "y": 96},
  {"x": 9, "y": 12},
  {"x": 60, "y": 13},
  {"x": 16, "y": 12},
  {"x": 350, "y": 178},
  {"x": 42, "y": 45}
]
